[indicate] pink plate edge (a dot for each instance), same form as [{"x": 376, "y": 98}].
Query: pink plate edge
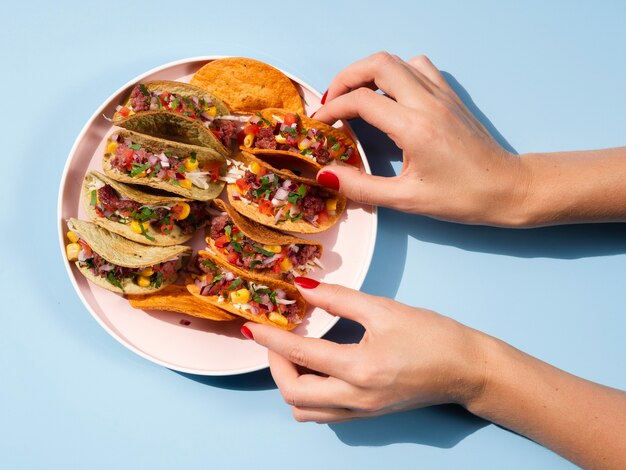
[{"x": 130, "y": 346}]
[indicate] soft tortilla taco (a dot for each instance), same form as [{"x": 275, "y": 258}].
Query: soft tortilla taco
[
  {"x": 187, "y": 170},
  {"x": 247, "y": 85},
  {"x": 177, "y": 111},
  {"x": 151, "y": 218},
  {"x": 256, "y": 298},
  {"x": 121, "y": 265},
  {"x": 280, "y": 199},
  {"x": 258, "y": 249},
  {"x": 176, "y": 298},
  {"x": 280, "y": 132}
]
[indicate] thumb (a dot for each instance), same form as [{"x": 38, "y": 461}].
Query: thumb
[{"x": 362, "y": 187}]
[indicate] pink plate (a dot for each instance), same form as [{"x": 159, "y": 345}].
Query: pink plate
[{"x": 195, "y": 345}]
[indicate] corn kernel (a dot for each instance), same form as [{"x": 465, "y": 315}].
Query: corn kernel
[
  {"x": 248, "y": 140},
  {"x": 72, "y": 250},
  {"x": 185, "y": 210},
  {"x": 304, "y": 143},
  {"x": 255, "y": 168},
  {"x": 286, "y": 264},
  {"x": 185, "y": 183},
  {"x": 277, "y": 318},
  {"x": 111, "y": 146},
  {"x": 143, "y": 281},
  {"x": 240, "y": 296},
  {"x": 136, "y": 226},
  {"x": 147, "y": 272},
  {"x": 273, "y": 248},
  {"x": 331, "y": 204},
  {"x": 191, "y": 164},
  {"x": 141, "y": 175},
  {"x": 280, "y": 139},
  {"x": 212, "y": 111},
  {"x": 72, "y": 236}
]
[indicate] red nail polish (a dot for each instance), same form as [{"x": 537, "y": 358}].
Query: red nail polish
[
  {"x": 246, "y": 332},
  {"x": 313, "y": 115},
  {"x": 328, "y": 179},
  {"x": 306, "y": 282},
  {"x": 324, "y": 97}
]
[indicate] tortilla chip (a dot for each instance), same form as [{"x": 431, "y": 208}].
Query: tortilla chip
[
  {"x": 247, "y": 85},
  {"x": 328, "y": 131},
  {"x": 299, "y": 226},
  {"x": 175, "y": 237},
  {"x": 156, "y": 146},
  {"x": 176, "y": 298},
  {"x": 291, "y": 291},
  {"x": 174, "y": 126}
]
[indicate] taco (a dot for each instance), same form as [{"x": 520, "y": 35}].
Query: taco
[
  {"x": 177, "y": 111},
  {"x": 151, "y": 218},
  {"x": 247, "y": 85},
  {"x": 120, "y": 265},
  {"x": 255, "y": 298},
  {"x": 187, "y": 170},
  {"x": 280, "y": 199},
  {"x": 258, "y": 249},
  {"x": 176, "y": 298},
  {"x": 280, "y": 132}
]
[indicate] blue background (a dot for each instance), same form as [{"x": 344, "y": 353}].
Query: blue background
[{"x": 543, "y": 77}]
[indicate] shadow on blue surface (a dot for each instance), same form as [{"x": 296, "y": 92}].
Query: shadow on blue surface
[
  {"x": 438, "y": 426},
  {"x": 250, "y": 382}
]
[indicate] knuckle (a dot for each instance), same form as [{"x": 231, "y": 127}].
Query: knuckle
[
  {"x": 299, "y": 415},
  {"x": 383, "y": 57},
  {"x": 421, "y": 59},
  {"x": 297, "y": 355}
]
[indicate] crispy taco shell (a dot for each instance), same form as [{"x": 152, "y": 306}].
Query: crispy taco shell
[
  {"x": 259, "y": 233},
  {"x": 171, "y": 125},
  {"x": 176, "y": 237},
  {"x": 176, "y": 298},
  {"x": 291, "y": 291},
  {"x": 247, "y": 85},
  {"x": 156, "y": 146},
  {"x": 308, "y": 123},
  {"x": 299, "y": 226},
  {"x": 120, "y": 251}
]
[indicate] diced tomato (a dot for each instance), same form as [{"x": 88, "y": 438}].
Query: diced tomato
[
  {"x": 242, "y": 186},
  {"x": 265, "y": 207},
  {"x": 233, "y": 257},
  {"x": 86, "y": 247},
  {"x": 166, "y": 228},
  {"x": 213, "y": 169},
  {"x": 276, "y": 268},
  {"x": 336, "y": 150},
  {"x": 177, "y": 209},
  {"x": 322, "y": 217},
  {"x": 221, "y": 241},
  {"x": 354, "y": 159},
  {"x": 99, "y": 211},
  {"x": 290, "y": 118},
  {"x": 234, "y": 231},
  {"x": 251, "y": 129},
  {"x": 125, "y": 112},
  {"x": 240, "y": 137}
]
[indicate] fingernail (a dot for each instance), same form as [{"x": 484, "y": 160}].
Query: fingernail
[
  {"x": 313, "y": 115},
  {"x": 324, "y": 97},
  {"x": 306, "y": 282},
  {"x": 328, "y": 179},
  {"x": 246, "y": 332}
]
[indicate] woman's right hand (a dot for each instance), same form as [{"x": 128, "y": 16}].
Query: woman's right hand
[{"x": 453, "y": 169}]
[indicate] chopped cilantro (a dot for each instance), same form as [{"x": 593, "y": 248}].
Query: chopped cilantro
[
  {"x": 158, "y": 280},
  {"x": 228, "y": 230},
  {"x": 209, "y": 264},
  {"x": 254, "y": 264},
  {"x": 258, "y": 249},
  {"x": 294, "y": 197},
  {"x": 137, "y": 169},
  {"x": 265, "y": 121},
  {"x": 193, "y": 157},
  {"x": 235, "y": 284},
  {"x": 336, "y": 147},
  {"x": 236, "y": 246},
  {"x": 134, "y": 146},
  {"x": 114, "y": 280},
  {"x": 144, "y": 90}
]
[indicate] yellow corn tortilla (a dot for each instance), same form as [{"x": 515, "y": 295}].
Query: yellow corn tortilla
[
  {"x": 290, "y": 290},
  {"x": 123, "y": 252},
  {"x": 247, "y": 85},
  {"x": 176, "y": 298},
  {"x": 174, "y": 126},
  {"x": 176, "y": 237},
  {"x": 251, "y": 211},
  {"x": 259, "y": 233},
  {"x": 156, "y": 145},
  {"x": 308, "y": 123}
]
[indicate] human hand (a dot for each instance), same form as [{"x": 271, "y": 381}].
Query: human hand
[
  {"x": 407, "y": 358},
  {"x": 453, "y": 169}
]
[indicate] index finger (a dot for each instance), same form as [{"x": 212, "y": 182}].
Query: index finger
[{"x": 316, "y": 354}]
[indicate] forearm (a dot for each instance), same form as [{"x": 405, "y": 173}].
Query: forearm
[
  {"x": 583, "y": 421},
  {"x": 573, "y": 187}
]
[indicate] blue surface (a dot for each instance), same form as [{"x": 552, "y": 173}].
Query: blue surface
[{"x": 543, "y": 77}]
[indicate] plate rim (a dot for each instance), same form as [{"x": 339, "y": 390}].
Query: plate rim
[{"x": 68, "y": 267}]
